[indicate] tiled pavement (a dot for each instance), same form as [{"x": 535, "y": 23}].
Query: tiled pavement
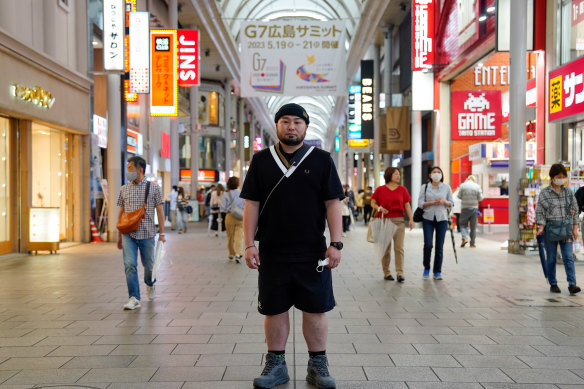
[{"x": 491, "y": 323}]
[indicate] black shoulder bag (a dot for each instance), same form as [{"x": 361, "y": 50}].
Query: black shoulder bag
[{"x": 419, "y": 212}]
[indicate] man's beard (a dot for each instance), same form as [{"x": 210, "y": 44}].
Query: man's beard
[{"x": 291, "y": 142}]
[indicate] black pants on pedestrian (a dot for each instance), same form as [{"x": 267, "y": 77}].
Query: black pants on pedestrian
[
  {"x": 367, "y": 213},
  {"x": 346, "y": 223}
]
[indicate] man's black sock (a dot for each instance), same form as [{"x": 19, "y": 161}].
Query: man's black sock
[
  {"x": 279, "y": 354},
  {"x": 313, "y": 354}
]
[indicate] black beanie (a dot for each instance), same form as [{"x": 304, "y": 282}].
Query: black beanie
[{"x": 292, "y": 109}]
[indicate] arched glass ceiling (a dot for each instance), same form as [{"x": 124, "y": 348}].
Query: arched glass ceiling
[{"x": 234, "y": 12}]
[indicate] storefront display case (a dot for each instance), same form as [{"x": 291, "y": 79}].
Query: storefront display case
[{"x": 536, "y": 179}]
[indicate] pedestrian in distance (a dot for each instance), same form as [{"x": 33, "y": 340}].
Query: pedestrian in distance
[
  {"x": 435, "y": 198},
  {"x": 457, "y": 208},
  {"x": 291, "y": 191},
  {"x": 391, "y": 201},
  {"x": 137, "y": 193},
  {"x": 233, "y": 224},
  {"x": 557, "y": 209},
  {"x": 367, "y": 209},
  {"x": 172, "y": 199},
  {"x": 359, "y": 202},
  {"x": 208, "y": 200},
  {"x": 181, "y": 211},
  {"x": 346, "y": 214},
  {"x": 218, "y": 222},
  {"x": 470, "y": 194}
]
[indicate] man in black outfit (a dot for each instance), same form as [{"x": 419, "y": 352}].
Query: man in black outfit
[{"x": 291, "y": 191}]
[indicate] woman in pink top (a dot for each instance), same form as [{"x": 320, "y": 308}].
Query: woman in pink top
[{"x": 392, "y": 200}]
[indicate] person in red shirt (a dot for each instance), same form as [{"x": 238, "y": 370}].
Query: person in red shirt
[{"x": 392, "y": 200}]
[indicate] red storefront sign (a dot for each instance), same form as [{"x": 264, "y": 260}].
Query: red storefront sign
[
  {"x": 165, "y": 149},
  {"x": 577, "y": 11},
  {"x": 188, "y": 57},
  {"x": 567, "y": 90},
  {"x": 422, "y": 34},
  {"x": 207, "y": 175},
  {"x": 476, "y": 114}
]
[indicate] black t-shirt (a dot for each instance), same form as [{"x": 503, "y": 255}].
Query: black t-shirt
[{"x": 291, "y": 227}]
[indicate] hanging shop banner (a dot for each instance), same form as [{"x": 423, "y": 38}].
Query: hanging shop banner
[
  {"x": 422, "y": 34},
  {"x": 476, "y": 114},
  {"x": 567, "y": 90},
  {"x": 394, "y": 130},
  {"x": 165, "y": 149},
  {"x": 293, "y": 58},
  {"x": 164, "y": 94},
  {"x": 113, "y": 35},
  {"x": 188, "y": 57},
  {"x": 139, "y": 52},
  {"x": 134, "y": 142},
  {"x": 100, "y": 129},
  {"x": 367, "y": 106},
  {"x": 130, "y": 6}
]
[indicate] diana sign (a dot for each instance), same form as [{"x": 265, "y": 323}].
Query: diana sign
[{"x": 476, "y": 115}]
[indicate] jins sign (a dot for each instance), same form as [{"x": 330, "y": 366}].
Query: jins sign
[
  {"x": 188, "y": 57},
  {"x": 476, "y": 115}
]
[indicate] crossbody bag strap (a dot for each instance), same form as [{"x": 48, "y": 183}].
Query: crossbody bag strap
[
  {"x": 294, "y": 163},
  {"x": 146, "y": 194}
]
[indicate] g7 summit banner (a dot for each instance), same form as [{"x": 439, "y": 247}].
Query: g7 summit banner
[{"x": 292, "y": 58}]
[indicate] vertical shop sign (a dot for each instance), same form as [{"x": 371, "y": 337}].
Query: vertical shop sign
[
  {"x": 476, "y": 115},
  {"x": 188, "y": 57},
  {"x": 139, "y": 52},
  {"x": 577, "y": 11},
  {"x": 113, "y": 34},
  {"x": 130, "y": 7},
  {"x": 367, "y": 106},
  {"x": 165, "y": 149},
  {"x": 354, "y": 119},
  {"x": 567, "y": 90},
  {"x": 134, "y": 142},
  {"x": 423, "y": 34},
  {"x": 100, "y": 129},
  {"x": 164, "y": 89}
]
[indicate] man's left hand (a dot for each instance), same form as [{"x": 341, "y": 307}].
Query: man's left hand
[
  {"x": 162, "y": 238},
  {"x": 575, "y": 231},
  {"x": 334, "y": 257}
]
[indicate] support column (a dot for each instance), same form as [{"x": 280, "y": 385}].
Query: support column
[
  {"x": 194, "y": 142},
  {"x": 517, "y": 99},
  {"x": 416, "y": 156},
  {"x": 114, "y": 152},
  {"x": 376, "y": 111},
  {"x": 174, "y": 149},
  {"x": 227, "y": 102},
  {"x": 240, "y": 138},
  {"x": 387, "y": 78}
]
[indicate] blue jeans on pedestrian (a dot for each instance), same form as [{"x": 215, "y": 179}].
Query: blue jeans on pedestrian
[
  {"x": 130, "y": 248},
  {"x": 182, "y": 219},
  {"x": 429, "y": 226},
  {"x": 568, "y": 258}
]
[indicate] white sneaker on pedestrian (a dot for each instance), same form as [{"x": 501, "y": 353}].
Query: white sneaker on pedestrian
[
  {"x": 151, "y": 292},
  {"x": 133, "y": 303}
]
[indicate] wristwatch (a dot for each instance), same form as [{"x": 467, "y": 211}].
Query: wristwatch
[{"x": 337, "y": 245}]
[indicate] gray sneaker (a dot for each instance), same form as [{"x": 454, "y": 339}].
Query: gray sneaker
[
  {"x": 275, "y": 373},
  {"x": 318, "y": 374}
]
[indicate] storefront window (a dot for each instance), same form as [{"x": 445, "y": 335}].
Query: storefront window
[
  {"x": 572, "y": 31},
  {"x": 4, "y": 180},
  {"x": 214, "y": 108},
  {"x": 50, "y": 172}
]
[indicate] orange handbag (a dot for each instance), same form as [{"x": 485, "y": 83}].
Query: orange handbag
[{"x": 130, "y": 221}]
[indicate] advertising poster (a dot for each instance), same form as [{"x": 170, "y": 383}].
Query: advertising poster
[
  {"x": 293, "y": 58},
  {"x": 139, "y": 52}
]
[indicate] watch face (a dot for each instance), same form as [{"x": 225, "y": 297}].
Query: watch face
[{"x": 337, "y": 245}]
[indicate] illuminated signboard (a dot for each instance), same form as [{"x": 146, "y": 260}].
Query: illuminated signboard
[
  {"x": 139, "y": 52},
  {"x": 422, "y": 34},
  {"x": 566, "y": 97},
  {"x": 354, "y": 119},
  {"x": 188, "y": 57},
  {"x": 476, "y": 114},
  {"x": 129, "y": 8},
  {"x": 164, "y": 89},
  {"x": 367, "y": 106},
  {"x": 134, "y": 142},
  {"x": 113, "y": 35},
  {"x": 358, "y": 142},
  {"x": 207, "y": 175},
  {"x": 37, "y": 95}
]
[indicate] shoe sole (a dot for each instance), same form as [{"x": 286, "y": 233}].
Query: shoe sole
[
  {"x": 313, "y": 382},
  {"x": 131, "y": 309},
  {"x": 281, "y": 382}
]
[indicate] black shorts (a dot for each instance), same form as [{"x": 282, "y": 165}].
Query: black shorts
[{"x": 286, "y": 284}]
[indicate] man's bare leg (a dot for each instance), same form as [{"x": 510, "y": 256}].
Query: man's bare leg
[{"x": 277, "y": 328}]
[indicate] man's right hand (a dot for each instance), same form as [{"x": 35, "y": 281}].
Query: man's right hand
[
  {"x": 119, "y": 242},
  {"x": 252, "y": 257}
]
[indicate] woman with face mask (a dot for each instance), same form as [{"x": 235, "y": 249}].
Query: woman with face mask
[
  {"x": 557, "y": 209},
  {"x": 435, "y": 198}
]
